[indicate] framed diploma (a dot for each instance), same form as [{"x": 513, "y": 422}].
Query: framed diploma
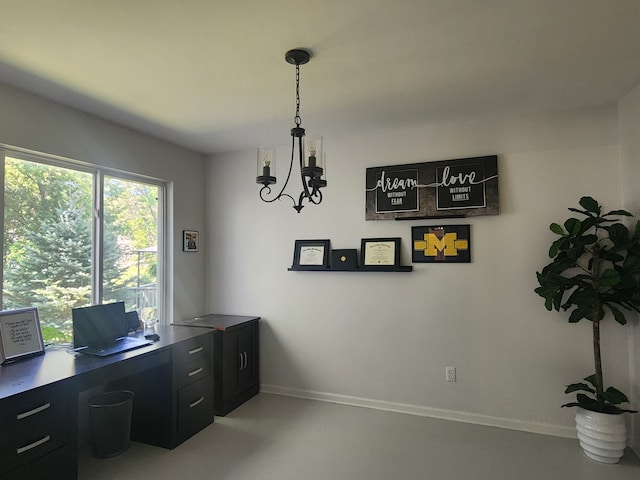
[
  {"x": 380, "y": 253},
  {"x": 20, "y": 334},
  {"x": 311, "y": 255}
]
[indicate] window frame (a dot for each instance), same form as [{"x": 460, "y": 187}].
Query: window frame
[{"x": 99, "y": 173}]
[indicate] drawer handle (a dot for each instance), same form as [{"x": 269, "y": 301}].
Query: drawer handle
[
  {"x": 26, "y": 448},
  {"x": 196, "y": 371},
  {"x": 20, "y": 416},
  {"x": 196, "y": 350},
  {"x": 197, "y": 402}
]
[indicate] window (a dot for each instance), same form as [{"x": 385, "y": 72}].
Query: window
[{"x": 58, "y": 254}]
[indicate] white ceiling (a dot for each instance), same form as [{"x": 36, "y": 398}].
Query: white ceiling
[{"x": 211, "y": 75}]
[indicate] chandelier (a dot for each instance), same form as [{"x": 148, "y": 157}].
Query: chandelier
[{"x": 311, "y": 159}]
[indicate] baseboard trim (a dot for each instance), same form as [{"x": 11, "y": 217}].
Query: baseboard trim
[{"x": 442, "y": 414}]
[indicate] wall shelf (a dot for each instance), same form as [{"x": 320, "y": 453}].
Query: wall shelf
[{"x": 402, "y": 268}]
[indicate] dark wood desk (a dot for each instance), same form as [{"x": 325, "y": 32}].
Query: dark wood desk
[
  {"x": 173, "y": 384},
  {"x": 236, "y": 357}
]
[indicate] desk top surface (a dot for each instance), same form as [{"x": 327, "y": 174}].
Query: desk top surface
[
  {"x": 60, "y": 363},
  {"x": 219, "y": 322}
]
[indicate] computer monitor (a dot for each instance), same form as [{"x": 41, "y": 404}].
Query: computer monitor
[{"x": 99, "y": 326}]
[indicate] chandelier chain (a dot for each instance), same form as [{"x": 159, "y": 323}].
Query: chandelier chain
[{"x": 297, "y": 120}]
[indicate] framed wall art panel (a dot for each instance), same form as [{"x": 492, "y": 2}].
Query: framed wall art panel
[{"x": 443, "y": 189}]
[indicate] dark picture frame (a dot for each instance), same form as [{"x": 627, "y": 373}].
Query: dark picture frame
[
  {"x": 456, "y": 188},
  {"x": 441, "y": 244},
  {"x": 380, "y": 253},
  {"x": 190, "y": 240},
  {"x": 311, "y": 254},
  {"x": 20, "y": 334}
]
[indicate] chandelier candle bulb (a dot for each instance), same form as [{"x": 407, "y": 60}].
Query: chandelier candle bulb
[
  {"x": 266, "y": 164},
  {"x": 315, "y": 157},
  {"x": 312, "y": 154},
  {"x": 266, "y": 174}
]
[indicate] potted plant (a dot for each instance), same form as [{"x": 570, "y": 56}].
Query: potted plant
[{"x": 595, "y": 274}]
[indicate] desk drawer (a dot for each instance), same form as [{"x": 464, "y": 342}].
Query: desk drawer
[
  {"x": 195, "y": 407},
  {"x": 193, "y": 348},
  {"x": 32, "y": 425},
  {"x": 61, "y": 464},
  {"x": 189, "y": 372}
]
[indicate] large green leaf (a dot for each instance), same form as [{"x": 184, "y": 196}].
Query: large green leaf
[
  {"x": 555, "y": 228},
  {"x": 614, "y": 396},
  {"x": 618, "y": 234},
  {"x": 623, "y": 213},
  {"x": 587, "y": 402},
  {"x": 573, "y": 226},
  {"x": 575, "y": 387},
  {"x": 618, "y": 315},
  {"x": 584, "y": 240},
  {"x": 592, "y": 379},
  {"x": 609, "y": 278},
  {"x": 590, "y": 205},
  {"x": 612, "y": 257},
  {"x": 557, "y": 246},
  {"x": 577, "y": 315}
]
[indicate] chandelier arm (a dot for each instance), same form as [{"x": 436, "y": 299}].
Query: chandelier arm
[
  {"x": 284, "y": 186},
  {"x": 300, "y": 199},
  {"x": 266, "y": 190},
  {"x": 316, "y": 194},
  {"x": 305, "y": 189}
]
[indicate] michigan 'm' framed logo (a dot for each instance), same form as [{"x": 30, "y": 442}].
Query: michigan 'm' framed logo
[{"x": 441, "y": 244}]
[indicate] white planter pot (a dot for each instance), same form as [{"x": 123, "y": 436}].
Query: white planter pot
[{"x": 603, "y": 436}]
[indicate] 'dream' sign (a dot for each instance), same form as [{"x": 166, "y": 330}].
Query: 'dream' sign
[{"x": 448, "y": 188}]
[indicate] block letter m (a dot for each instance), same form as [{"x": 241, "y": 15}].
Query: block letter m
[{"x": 448, "y": 244}]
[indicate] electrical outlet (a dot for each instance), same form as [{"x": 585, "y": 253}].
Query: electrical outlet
[{"x": 450, "y": 374}]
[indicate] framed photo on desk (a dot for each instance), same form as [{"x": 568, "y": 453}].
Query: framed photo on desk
[{"x": 20, "y": 334}]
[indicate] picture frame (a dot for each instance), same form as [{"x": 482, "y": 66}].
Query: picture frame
[
  {"x": 311, "y": 254},
  {"x": 380, "y": 253},
  {"x": 441, "y": 244},
  {"x": 20, "y": 334},
  {"x": 455, "y": 188},
  {"x": 190, "y": 240}
]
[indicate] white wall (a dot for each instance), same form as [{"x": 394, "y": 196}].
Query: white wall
[
  {"x": 630, "y": 157},
  {"x": 383, "y": 339},
  {"x": 33, "y": 123}
]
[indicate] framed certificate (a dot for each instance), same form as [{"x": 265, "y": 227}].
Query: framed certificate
[
  {"x": 380, "y": 253},
  {"x": 311, "y": 255},
  {"x": 20, "y": 334}
]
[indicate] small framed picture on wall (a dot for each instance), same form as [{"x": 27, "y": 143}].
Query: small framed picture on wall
[{"x": 190, "y": 240}]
